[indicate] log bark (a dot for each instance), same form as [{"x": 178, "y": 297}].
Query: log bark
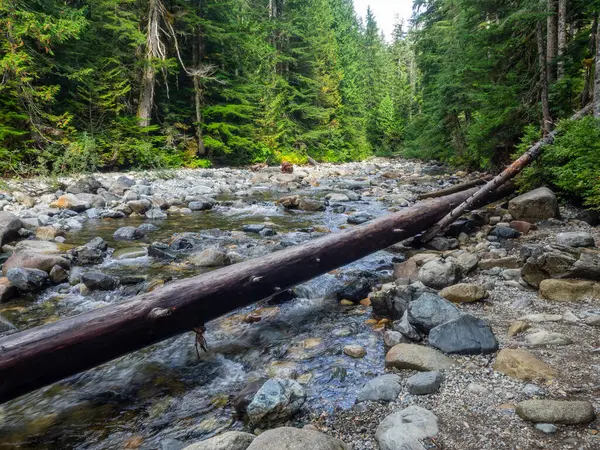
[
  {"x": 562, "y": 37},
  {"x": 510, "y": 172},
  {"x": 546, "y": 118},
  {"x": 552, "y": 39},
  {"x": 453, "y": 189},
  {"x": 40, "y": 356},
  {"x": 597, "y": 71}
]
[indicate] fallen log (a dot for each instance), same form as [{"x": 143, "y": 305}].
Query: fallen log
[
  {"x": 453, "y": 189},
  {"x": 510, "y": 172},
  {"x": 40, "y": 356}
]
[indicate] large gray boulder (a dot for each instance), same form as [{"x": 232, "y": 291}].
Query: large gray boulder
[
  {"x": 128, "y": 234},
  {"x": 576, "y": 239},
  {"x": 534, "y": 206},
  {"x": 439, "y": 274},
  {"x": 287, "y": 438},
  {"x": 466, "y": 335},
  {"x": 27, "y": 280},
  {"x": 32, "y": 260},
  {"x": 276, "y": 401},
  {"x": 384, "y": 388},
  {"x": 98, "y": 281},
  {"x": 402, "y": 430},
  {"x": 85, "y": 185},
  {"x": 231, "y": 440},
  {"x": 9, "y": 227},
  {"x": 431, "y": 310}
]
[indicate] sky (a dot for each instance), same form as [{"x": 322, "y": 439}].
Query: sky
[{"x": 385, "y": 12}]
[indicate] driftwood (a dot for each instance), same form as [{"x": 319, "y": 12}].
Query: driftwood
[
  {"x": 510, "y": 172},
  {"x": 40, "y": 356},
  {"x": 453, "y": 189}
]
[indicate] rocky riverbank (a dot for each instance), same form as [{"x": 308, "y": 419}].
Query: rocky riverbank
[{"x": 485, "y": 338}]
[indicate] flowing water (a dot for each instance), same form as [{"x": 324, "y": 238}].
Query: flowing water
[{"x": 165, "y": 396}]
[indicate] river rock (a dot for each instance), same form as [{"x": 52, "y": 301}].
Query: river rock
[
  {"x": 438, "y": 274},
  {"x": 556, "y": 411},
  {"x": 424, "y": 383},
  {"x": 9, "y": 227},
  {"x": 534, "y": 206},
  {"x": 391, "y": 301},
  {"x": 442, "y": 244},
  {"x": 407, "y": 271},
  {"x": 161, "y": 251},
  {"x": 89, "y": 254},
  {"x": 140, "y": 206},
  {"x": 155, "y": 214},
  {"x": 24, "y": 199},
  {"x": 286, "y": 438},
  {"x": 334, "y": 198},
  {"x": 403, "y": 429},
  {"x": 509, "y": 262},
  {"x": 312, "y": 205},
  {"x": 467, "y": 262},
  {"x": 523, "y": 365},
  {"x": 7, "y": 290},
  {"x": 464, "y": 292},
  {"x": 544, "y": 337},
  {"x": 58, "y": 275},
  {"x": 505, "y": 232},
  {"x": 27, "y": 280},
  {"x": 359, "y": 218},
  {"x": 403, "y": 326},
  {"x": 6, "y": 326},
  {"x": 211, "y": 257},
  {"x": 391, "y": 338},
  {"x": 518, "y": 327},
  {"x": 431, "y": 310},
  {"x": 357, "y": 289},
  {"x": 576, "y": 239},
  {"x": 32, "y": 260},
  {"x": 48, "y": 233},
  {"x": 230, "y": 440},
  {"x": 96, "y": 201},
  {"x": 384, "y": 388},
  {"x": 567, "y": 290},
  {"x": 98, "y": 281},
  {"x": 84, "y": 185},
  {"x": 417, "y": 357},
  {"x": 355, "y": 351},
  {"x": 466, "y": 335},
  {"x": 253, "y": 228},
  {"x": 276, "y": 401},
  {"x": 70, "y": 202},
  {"x": 201, "y": 204},
  {"x": 128, "y": 234}
]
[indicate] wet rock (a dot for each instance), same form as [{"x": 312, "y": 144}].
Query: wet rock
[
  {"x": 9, "y": 227},
  {"x": 357, "y": 289},
  {"x": 48, "y": 233},
  {"x": 523, "y": 365},
  {"x": 333, "y": 198},
  {"x": 267, "y": 232},
  {"x": 505, "y": 232},
  {"x": 85, "y": 185},
  {"x": 230, "y": 440},
  {"x": 128, "y": 234},
  {"x": 155, "y": 214},
  {"x": 89, "y": 254},
  {"x": 202, "y": 204},
  {"x": 58, "y": 275},
  {"x": 129, "y": 253},
  {"x": 148, "y": 227},
  {"x": 403, "y": 429},
  {"x": 567, "y": 290},
  {"x": 311, "y": 205},
  {"x": 464, "y": 293},
  {"x": 359, "y": 218},
  {"x": 7, "y": 291},
  {"x": 556, "y": 411},
  {"x": 544, "y": 337},
  {"x": 160, "y": 251},
  {"x": 211, "y": 257},
  {"x": 576, "y": 239},
  {"x": 27, "y": 280},
  {"x": 417, "y": 357},
  {"x": 98, "y": 281},
  {"x": 6, "y": 326},
  {"x": 438, "y": 274},
  {"x": 276, "y": 401},
  {"x": 424, "y": 383},
  {"x": 33, "y": 260},
  {"x": 384, "y": 388},
  {"x": 404, "y": 327},
  {"x": 466, "y": 335},
  {"x": 534, "y": 206},
  {"x": 391, "y": 301},
  {"x": 431, "y": 310},
  {"x": 70, "y": 202},
  {"x": 244, "y": 397},
  {"x": 253, "y": 228},
  {"x": 296, "y": 439},
  {"x": 355, "y": 351}
]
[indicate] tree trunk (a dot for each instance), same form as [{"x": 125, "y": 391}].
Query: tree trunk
[
  {"x": 552, "y": 39},
  {"x": 588, "y": 85},
  {"x": 510, "y": 172},
  {"x": 37, "y": 357},
  {"x": 546, "y": 118},
  {"x": 453, "y": 189},
  {"x": 198, "y": 97},
  {"x": 597, "y": 71},
  {"x": 562, "y": 37},
  {"x": 154, "y": 50}
]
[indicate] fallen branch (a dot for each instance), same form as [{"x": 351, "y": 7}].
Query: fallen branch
[
  {"x": 510, "y": 172},
  {"x": 40, "y": 356},
  {"x": 453, "y": 189}
]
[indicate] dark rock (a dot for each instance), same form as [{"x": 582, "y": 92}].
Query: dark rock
[
  {"x": 278, "y": 400},
  {"x": 58, "y": 275},
  {"x": 442, "y": 244},
  {"x": 359, "y": 218},
  {"x": 202, "y": 204},
  {"x": 338, "y": 209},
  {"x": 128, "y": 234},
  {"x": 148, "y": 227},
  {"x": 431, "y": 310},
  {"x": 267, "y": 232},
  {"x": 7, "y": 290},
  {"x": 6, "y": 326},
  {"x": 466, "y": 335},
  {"x": 466, "y": 226},
  {"x": 9, "y": 227},
  {"x": 253, "y": 228},
  {"x": 357, "y": 290},
  {"x": 243, "y": 398},
  {"x": 98, "y": 281},
  {"x": 160, "y": 251},
  {"x": 27, "y": 280},
  {"x": 505, "y": 233},
  {"x": 85, "y": 185}
]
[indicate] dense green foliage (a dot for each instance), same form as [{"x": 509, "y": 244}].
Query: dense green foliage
[{"x": 143, "y": 83}]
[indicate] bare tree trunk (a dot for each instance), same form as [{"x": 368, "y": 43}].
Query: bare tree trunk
[
  {"x": 562, "y": 37},
  {"x": 546, "y": 118},
  {"x": 155, "y": 49},
  {"x": 552, "y": 40},
  {"x": 588, "y": 86},
  {"x": 597, "y": 71},
  {"x": 198, "y": 97}
]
